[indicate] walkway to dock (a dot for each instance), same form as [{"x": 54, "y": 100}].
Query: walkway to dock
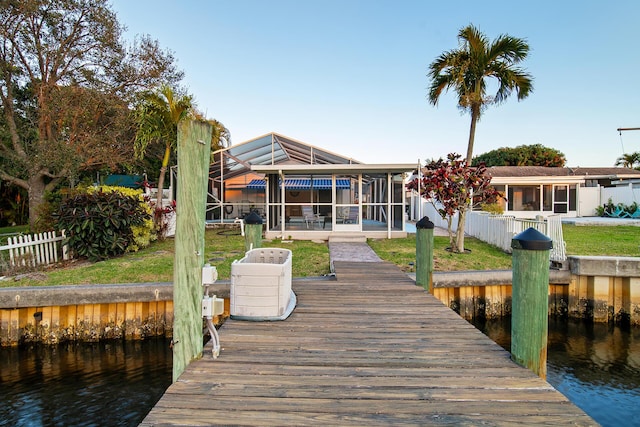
[{"x": 369, "y": 348}]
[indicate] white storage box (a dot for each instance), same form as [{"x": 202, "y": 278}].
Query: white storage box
[{"x": 261, "y": 285}]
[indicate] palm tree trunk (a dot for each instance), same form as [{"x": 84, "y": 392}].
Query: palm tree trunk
[
  {"x": 163, "y": 171},
  {"x": 475, "y": 114}
]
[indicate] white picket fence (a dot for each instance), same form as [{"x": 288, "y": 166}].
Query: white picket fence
[
  {"x": 499, "y": 230},
  {"x": 36, "y": 249}
]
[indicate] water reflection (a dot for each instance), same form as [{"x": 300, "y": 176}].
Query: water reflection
[
  {"x": 597, "y": 366},
  {"x": 100, "y": 384}
]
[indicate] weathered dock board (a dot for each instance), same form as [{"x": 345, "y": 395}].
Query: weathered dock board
[{"x": 369, "y": 348}]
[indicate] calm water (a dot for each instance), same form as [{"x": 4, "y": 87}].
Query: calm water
[
  {"x": 106, "y": 384},
  {"x": 117, "y": 383},
  {"x": 596, "y": 366}
]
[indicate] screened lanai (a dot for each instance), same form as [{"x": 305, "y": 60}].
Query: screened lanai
[{"x": 302, "y": 191}]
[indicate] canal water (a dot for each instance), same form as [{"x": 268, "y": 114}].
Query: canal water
[
  {"x": 112, "y": 383},
  {"x": 116, "y": 383},
  {"x": 595, "y": 365}
]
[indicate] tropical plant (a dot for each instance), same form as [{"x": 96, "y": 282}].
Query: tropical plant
[
  {"x": 468, "y": 69},
  {"x": 157, "y": 117},
  {"x": 102, "y": 224},
  {"x": 629, "y": 160},
  {"x": 453, "y": 187}
]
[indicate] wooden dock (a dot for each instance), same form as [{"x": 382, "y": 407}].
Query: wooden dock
[{"x": 370, "y": 348}]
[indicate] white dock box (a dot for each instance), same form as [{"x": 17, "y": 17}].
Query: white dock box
[{"x": 261, "y": 285}]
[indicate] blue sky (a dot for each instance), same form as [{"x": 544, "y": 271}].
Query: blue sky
[{"x": 350, "y": 76}]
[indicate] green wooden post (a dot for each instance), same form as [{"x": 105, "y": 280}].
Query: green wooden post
[
  {"x": 194, "y": 150},
  {"x": 424, "y": 254},
  {"x": 530, "y": 300},
  {"x": 252, "y": 231}
]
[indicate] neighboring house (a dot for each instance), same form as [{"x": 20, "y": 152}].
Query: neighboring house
[
  {"x": 324, "y": 193},
  {"x": 571, "y": 192}
]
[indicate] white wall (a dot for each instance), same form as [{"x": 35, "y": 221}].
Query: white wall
[
  {"x": 588, "y": 200},
  {"x": 626, "y": 195}
]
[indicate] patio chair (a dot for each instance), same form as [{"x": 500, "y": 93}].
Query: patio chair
[
  {"x": 309, "y": 216},
  {"x": 618, "y": 212},
  {"x": 352, "y": 217}
]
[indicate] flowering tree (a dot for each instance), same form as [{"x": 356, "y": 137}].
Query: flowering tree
[{"x": 453, "y": 186}]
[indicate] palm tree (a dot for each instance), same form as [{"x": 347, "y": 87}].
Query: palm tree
[
  {"x": 468, "y": 68},
  {"x": 157, "y": 117},
  {"x": 220, "y": 135},
  {"x": 628, "y": 160},
  {"x": 467, "y": 71}
]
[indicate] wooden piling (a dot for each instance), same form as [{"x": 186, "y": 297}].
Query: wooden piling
[
  {"x": 194, "y": 150},
  {"x": 424, "y": 254},
  {"x": 252, "y": 231},
  {"x": 530, "y": 305}
]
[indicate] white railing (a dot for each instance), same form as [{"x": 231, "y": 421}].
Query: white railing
[
  {"x": 499, "y": 230},
  {"x": 37, "y": 249}
]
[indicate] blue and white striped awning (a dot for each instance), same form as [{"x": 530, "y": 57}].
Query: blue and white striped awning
[{"x": 302, "y": 184}]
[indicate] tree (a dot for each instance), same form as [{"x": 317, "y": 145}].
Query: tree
[
  {"x": 452, "y": 187},
  {"x": 157, "y": 118},
  {"x": 628, "y": 160},
  {"x": 468, "y": 69},
  {"x": 66, "y": 83},
  {"x": 522, "y": 155}
]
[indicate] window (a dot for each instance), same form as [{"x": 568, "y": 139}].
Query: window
[{"x": 524, "y": 198}]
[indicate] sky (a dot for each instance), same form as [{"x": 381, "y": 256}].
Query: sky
[{"x": 350, "y": 76}]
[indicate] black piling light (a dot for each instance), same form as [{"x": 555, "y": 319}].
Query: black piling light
[
  {"x": 424, "y": 223},
  {"x": 37, "y": 316},
  {"x": 530, "y": 300},
  {"x": 532, "y": 240},
  {"x": 424, "y": 254},
  {"x": 253, "y": 218}
]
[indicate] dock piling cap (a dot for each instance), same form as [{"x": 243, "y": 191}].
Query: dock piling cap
[
  {"x": 425, "y": 223},
  {"x": 253, "y": 218},
  {"x": 531, "y": 239}
]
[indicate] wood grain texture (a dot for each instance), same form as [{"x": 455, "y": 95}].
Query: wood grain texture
[{"x": 370, "y": 348}]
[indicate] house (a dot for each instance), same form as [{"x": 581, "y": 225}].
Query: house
[
  {"x": 571, "y": 192},
  {"x": 305, "y": 192}
]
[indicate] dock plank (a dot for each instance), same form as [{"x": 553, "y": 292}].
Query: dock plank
[{"x": 369, "y": 348}]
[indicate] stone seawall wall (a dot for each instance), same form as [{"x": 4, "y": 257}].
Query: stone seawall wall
[
  {"x": 601, "y": 289},
  {"x": 53, "y": 314}
]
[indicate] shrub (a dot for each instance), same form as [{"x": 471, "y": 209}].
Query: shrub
[
  {"x": 493, "y": 208},
  {"x": 100, "y": 222},
  {"x": 144, "y": 233}
]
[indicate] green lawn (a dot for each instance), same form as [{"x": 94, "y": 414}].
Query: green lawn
[
  {"x": 155, "y": 263},
  {"x": 6, "y": 232},
  {"x": 618, "y": 240}
]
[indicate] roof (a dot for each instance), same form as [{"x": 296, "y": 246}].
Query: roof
[
  {"x": 578, "y": 172},
  {"x": 270, "y": 149},
  {"x": 344, "y": 168}
]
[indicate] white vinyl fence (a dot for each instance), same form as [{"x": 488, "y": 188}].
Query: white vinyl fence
[
  {"x": 36, "y": 249},
  {"x": 498, "y": 230}
]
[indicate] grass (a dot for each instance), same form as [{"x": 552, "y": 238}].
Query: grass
[
  {"x": 7, "y": 232},
  {"x": 222, "y": 247},
  {"x": 482, "y": 256},
  {"x": 155, "y": 263},
  {"x": 621, "y": 240}
]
